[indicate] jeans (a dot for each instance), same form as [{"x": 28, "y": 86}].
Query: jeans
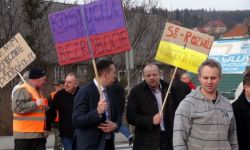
[
  {"x": 67, "y": 143},
  {"x": 125, "y": 131}
]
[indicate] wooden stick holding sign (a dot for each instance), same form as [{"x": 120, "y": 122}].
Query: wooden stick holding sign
[
  {"x": 26, "y": 84},
  {"x": 91, "y": 52},
  {"x": 93, "y": 33},
  {"x": 169, "y": 87},
  {"x": 183, "y": 48}
]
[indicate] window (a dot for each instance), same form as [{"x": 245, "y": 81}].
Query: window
[
  {"x": 82, "y": 72},
  {"x": 59, "y": 72}
]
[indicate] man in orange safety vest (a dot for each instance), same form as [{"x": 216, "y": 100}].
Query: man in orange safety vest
[{"x": 29, "y": 113}]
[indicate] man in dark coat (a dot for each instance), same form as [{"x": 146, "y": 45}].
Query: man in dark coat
[
  {"x": 153, "y": 130},
  {"x": 241, "y": 108},
  {"x": 182, "y": 88},
  {"x": 96, "y": 118},
  {"x": 63, "y": 102}
]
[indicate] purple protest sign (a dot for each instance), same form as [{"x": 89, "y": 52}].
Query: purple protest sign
[{"x": 100, "y": 17}]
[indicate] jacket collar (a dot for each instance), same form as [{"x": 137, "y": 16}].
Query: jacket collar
[{"x": 244, "y": 105}]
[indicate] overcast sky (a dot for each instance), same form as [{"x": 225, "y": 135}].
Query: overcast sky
[{"x": 197, "y": 4}]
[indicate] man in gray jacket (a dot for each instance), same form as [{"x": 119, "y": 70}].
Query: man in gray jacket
[{"x": 205, "y": 119}]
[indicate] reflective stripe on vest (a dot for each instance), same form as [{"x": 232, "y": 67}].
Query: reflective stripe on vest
[
  {"x": 57, "y": 113},
  {"x": 32, "y": 121}
]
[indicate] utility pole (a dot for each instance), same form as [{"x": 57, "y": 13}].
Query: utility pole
[{"x": 129, "y": 65}]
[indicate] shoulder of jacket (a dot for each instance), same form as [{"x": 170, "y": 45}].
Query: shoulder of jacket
[
  {"x": 225, "y": 99},
  {"x": 189, "y": 101}
]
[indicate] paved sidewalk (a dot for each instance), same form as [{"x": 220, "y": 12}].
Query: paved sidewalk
[{"x": 7, "y": 142}]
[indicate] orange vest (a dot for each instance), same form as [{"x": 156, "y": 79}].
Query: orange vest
[
  {"x": 57, "y": 113},
  {"x": 32, "y": 121}
]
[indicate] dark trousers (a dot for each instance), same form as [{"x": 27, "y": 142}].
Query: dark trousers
[
  {"x": 30, "y": 144},
  {"x": 164, "y": 145},
  {"x": 109, "y": 145}
]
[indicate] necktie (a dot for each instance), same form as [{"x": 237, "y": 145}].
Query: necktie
[{"x": 108, "y": 109}]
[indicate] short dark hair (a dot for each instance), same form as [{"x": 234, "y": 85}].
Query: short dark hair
[
  {"x": 211, "y": 63},
  {"x": 247, "y": 70},
  {"x": 103, "y": 65},
  {"x": 246, "y": 80},
  {"x": 177, "y": 73}
]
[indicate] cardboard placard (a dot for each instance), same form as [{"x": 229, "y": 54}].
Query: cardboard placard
[
  {"x": 15, "y": 55},
  {"x": 183, "y": 48},
  {"x": 105, "y": 25}
]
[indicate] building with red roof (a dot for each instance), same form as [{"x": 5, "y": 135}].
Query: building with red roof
[
  {"x": 241, "y": 31},
  {"x": 200, "y": 29},
  {"x": 215, "y": 27}
]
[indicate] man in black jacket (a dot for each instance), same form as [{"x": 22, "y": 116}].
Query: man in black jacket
[
  {"x": 241, "y": 108},
  {"x": 152, "y": 130},
  {"x": 182, "y": 88},
  {"x": 63, "y": 102}
]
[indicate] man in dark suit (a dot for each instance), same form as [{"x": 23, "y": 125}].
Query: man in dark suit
[
  {"x": 241, "y": 108},
  {"x": 182, "y": 88},
  {"x": 94, "y": 117}
]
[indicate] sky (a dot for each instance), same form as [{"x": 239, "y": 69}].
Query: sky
[{"x": 196, "y": 4}]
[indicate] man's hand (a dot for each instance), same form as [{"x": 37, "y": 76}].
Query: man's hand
[
  {"x": 102, "y": 106},
  {"x": 46, "y": 133},
  {"x": 157, "y": 119},
  {"x": 108, "y": 127},
  {"x": 39, "y": 102}
]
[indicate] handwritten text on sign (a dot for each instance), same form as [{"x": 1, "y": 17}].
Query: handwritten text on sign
[
  {"x": 100, "y": 16},
  {"x": 14, "y": 57},
  {"x": 179, "y": 57},
  {"x": 106, "y": 27},
  {"x": 187, "y": 38},
  {"x": 103, "y": 44}
]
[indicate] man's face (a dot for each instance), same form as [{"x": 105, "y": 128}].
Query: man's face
[
  {"x": 40, "y": 82},
  {"x": 59, "y": 87},
  {"x": 152, "y": 76},
  {"x": 71, "y": 84},
  {"x": 209, "y": 79},
  {"x": 185, "y": 78},
  {"x": 110, "y": 76}
]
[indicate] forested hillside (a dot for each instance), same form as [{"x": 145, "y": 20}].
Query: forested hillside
[{"x": 198, "y": 18}]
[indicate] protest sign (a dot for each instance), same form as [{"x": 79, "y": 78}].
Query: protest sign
[
  {"x": 233, "y": 54},
  {"x": 105, "y": 27},
  {"x": 183, "y": 48},
  {"x": 15, "y": 55}
]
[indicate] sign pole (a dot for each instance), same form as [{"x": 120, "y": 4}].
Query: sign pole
[
  {"x": 165, "y": 100},
  {"x": 92, "y": 56}
]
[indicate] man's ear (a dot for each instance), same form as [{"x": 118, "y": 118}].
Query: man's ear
[
  {"x": 105, "y": 74},
  {"x": 245, "y": 87}
]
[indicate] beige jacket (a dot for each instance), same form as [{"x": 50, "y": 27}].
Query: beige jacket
[{"x": 22, "y": 104}]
